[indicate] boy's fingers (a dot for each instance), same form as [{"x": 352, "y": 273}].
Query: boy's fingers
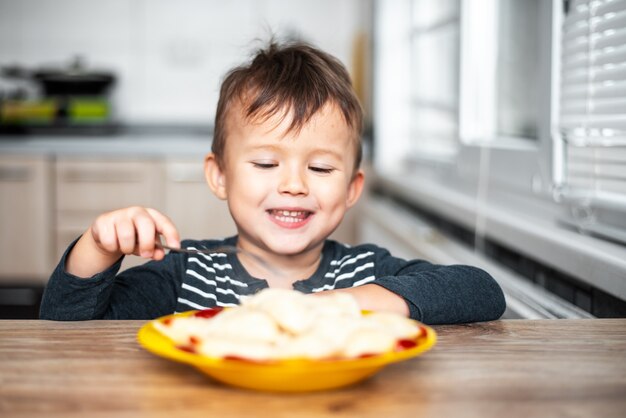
[
  {"x": 126, "y": 236},
  {"x": 104, "y": 235},
  {"x": 165, "y": 227},
  {"x": 145, "y": 227},
  {"x": 133, "y": 230}
]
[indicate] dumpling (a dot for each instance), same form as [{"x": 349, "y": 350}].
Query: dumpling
[
  {"x": 334, "y": 305},
  {"x": 182, "y": 329},
  {"x": 236, "y": 347},
  {"x": 245, "y": 322},
  {"x": 308, "y": 346},
  {"x": 368, "y": 340},
  {"x": 288, "y": 308},
  {"x": 396, "y": 325},
  {"x": 335, "y": 331},
  {"x": 280, "y": 324}
]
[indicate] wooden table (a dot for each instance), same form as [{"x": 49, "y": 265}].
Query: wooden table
[{"x": 515, "y": 368}]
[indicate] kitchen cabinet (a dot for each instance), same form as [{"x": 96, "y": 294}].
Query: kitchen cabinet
[
  {"x": 88, "y": 187},
  {"x": 85, "y": 188},
  {"x": 190, "y": 203},
  {"x": 25, "y": 219}
]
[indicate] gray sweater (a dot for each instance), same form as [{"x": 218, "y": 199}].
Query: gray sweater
[{"x": 435, "y": 294}]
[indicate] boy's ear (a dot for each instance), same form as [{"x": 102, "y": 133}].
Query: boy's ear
[
  {"x": 355, "y": 188},
  {"x": 214, "y": 176}
]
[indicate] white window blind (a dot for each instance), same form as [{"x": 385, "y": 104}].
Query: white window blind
[{"x": 592, "y": 116}]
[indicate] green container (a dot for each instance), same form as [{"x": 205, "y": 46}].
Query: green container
[{"x": 85, "y": 110}]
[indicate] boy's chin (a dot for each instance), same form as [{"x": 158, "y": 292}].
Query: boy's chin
[{"x": 291, "y": 247}]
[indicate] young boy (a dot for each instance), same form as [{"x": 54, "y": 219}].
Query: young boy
[{"x": 285, "y": 156}]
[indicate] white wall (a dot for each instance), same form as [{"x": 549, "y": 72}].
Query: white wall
[{"x": 169, "y": 55}]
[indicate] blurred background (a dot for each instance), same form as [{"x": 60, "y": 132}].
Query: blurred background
[{"x": 495, "y": 131}]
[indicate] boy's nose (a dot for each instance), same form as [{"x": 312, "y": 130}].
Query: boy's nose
[{"x": 293, "y": 182}]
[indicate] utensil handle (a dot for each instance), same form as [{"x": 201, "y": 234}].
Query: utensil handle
[{"x": 220, "y": 249}]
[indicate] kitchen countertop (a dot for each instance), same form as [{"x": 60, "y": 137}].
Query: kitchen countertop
[
  {"x": 512, "y": 368},
  {"x": 133, "y": 142}
]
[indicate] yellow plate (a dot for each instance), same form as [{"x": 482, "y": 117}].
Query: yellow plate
[{"x": 293, "y": 375}]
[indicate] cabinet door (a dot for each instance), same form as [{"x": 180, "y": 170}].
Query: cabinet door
[
  {"x": 25, "y": 219},
  {"x": 191, "y": 205},
  {"x": 97, "y": 185},
  {"x": 88, "y": 187}
]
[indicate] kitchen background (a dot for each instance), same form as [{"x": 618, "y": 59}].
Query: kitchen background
[
  {"x": 168, "y": 57},
  {"x": 110, "y": 104},
  {"x": 495, "y": 131}
]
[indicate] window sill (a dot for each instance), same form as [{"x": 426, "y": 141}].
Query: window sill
[{"x": 531, "y": 229}]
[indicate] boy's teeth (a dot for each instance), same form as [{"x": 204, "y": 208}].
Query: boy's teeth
[{"x": 289, "y": 215}]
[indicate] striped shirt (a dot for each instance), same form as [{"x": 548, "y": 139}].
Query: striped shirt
[
  {"x": 182, "y": 282},
  {"x": 219, "y": 279}
]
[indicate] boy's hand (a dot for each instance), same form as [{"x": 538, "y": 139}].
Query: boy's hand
[
  {"x": 372, "y": 297},
  {"x": 133, "y": 230}
]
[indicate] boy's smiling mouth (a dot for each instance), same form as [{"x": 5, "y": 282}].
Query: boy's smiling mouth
[{"x": 290, "y": 218}]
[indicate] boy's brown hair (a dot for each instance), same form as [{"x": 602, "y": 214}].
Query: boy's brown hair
[{"x": 293, "y": 79}]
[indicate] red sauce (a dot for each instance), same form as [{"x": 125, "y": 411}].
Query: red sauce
[
  {"x": 167, "y": 321},
  {"x": 405, "y": 344},
  {"x": 194, "y": 340},
  {"x": 366, "y": 355},
  {"x": 186, "y": 348},
  {"x": 208, "y": 313},
  {"x": 248, "y": 360}
]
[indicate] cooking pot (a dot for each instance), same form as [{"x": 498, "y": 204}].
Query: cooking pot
[
  {"x": 74, "y": 80},
  {"x": 65, "y": 83}
]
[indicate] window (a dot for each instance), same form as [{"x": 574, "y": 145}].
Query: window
[
  {"x": 516, "y": 68},
  {"x": 527, "y": 146},
  {"x": 434, "y": 76},
  {"x": 460, "y": 72},
  {"x": 501, "y": 73},
  {"x": 592, "y": 112}
]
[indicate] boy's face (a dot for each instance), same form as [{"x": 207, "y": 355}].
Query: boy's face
[{"x": 287, "y": 192}]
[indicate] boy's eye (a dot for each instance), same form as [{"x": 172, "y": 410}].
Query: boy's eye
[
  {"x": 264, "y": 164},
  {"x": 321, "y": 170}
]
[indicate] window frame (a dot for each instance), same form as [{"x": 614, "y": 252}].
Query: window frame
[
  {"x": 501, "y": 188},
  {"x": 477, "y": 126}
]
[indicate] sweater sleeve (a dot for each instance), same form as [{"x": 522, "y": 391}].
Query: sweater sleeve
[
  {"x": 143, "y": 292},
  {"x": 438, "y": 294}
]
